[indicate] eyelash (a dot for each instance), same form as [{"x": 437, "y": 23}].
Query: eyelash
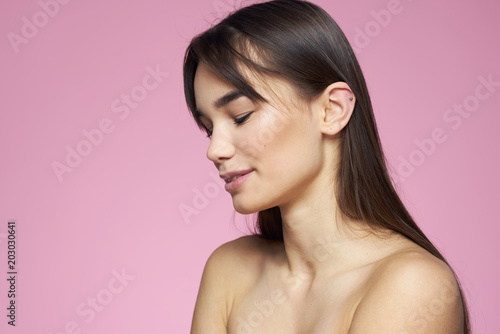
[{"x": 237, "y": 121}]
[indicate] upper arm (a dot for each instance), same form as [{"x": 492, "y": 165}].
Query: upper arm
[
  {"x": 210, "y": 311},
  {"x": 217, "y": 287},
  {"x": 413, "y": 294}
]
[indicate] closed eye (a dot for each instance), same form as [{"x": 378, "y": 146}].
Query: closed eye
[
  {"x": 237, "y": 121},
  {"x": 242, "y": 119}
]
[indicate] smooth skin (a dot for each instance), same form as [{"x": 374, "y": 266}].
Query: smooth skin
[{"x": 324, "y": 277}]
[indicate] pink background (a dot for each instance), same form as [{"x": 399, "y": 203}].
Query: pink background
[{"x": 120, "y": 206}]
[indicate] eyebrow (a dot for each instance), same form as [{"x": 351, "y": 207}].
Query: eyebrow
[{"x": 224, "y": 100}]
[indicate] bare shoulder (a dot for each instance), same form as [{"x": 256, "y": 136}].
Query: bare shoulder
[
  {"x": 411, "y": 291},
  {"x": 248, "y": 245},
  {"x": 244, "y": 254},
  {"x": 230, "y": 267}
]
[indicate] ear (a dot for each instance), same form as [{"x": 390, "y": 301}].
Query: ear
[{"x": 335, "y": 106}]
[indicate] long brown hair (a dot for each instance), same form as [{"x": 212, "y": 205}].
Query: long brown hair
[{"x": 301, "y": 43}]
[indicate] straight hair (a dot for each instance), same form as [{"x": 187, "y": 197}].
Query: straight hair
[{"x": 301, "y": 43}]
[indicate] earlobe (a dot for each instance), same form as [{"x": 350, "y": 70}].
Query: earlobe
[{"x": 338, "y": 101}]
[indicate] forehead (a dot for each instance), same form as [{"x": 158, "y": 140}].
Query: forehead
[{"x": 208, "y": 86}]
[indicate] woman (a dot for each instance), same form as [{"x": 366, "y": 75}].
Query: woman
[{"x": 281, "y": 95}]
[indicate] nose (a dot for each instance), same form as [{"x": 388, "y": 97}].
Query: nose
[{"x": 221, "y": 147}]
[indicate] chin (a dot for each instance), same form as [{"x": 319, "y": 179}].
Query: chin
[
  {"x": 245, "y": 208},
  {"x": 248, "y": 207}
]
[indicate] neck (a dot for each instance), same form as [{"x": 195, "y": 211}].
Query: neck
[{"x": 318, "y": 242}]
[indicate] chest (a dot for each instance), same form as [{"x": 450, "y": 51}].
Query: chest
[{"x": 287, "y": 307}]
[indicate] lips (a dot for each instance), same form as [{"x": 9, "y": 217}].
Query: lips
[
  {"x": 228, "y": 177},
  {"x": 237, "y": 182},
  {"x": 233, "y": 178}
]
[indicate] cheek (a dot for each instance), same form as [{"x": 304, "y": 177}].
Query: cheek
[
  {"x": 265, "y": 134},
  {"x": 284, "y": 145}
]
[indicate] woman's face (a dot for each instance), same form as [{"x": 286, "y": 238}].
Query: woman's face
[{"x": 279, "y": 141}]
